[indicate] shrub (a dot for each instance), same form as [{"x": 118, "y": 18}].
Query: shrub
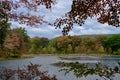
[{"x": 31, "y": 72}]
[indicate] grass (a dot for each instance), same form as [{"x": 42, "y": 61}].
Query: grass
[
  {"x": 17, "y": 58},
  {"x": 76, "y": 54},
  {"x": 11, "y": 58},
  {"x": 24, "y": 56}
]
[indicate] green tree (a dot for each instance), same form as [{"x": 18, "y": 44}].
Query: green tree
[
  {"x": 101, "y": 42},
  {"x": 4, "y": 25},
  {"x": 35, "y": 44},
  {"x": 113, "y": 43},
  {"x": 38, "y": 44},
  {"x": 44, "y": 42},
  {"x": 75, "y": 41},
  {"x": 89, "y": 43},
  {"x": 4, "y": 28},
  {"x": 51, "y": 46}
]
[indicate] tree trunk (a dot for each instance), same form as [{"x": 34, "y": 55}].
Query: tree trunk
[{"x": 73, "y": 49}]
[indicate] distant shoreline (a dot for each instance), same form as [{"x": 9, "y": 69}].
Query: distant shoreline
[{"x": 25, "y": 56}]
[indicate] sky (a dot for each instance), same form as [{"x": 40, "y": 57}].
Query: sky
[{"x": 58, "y": 10}]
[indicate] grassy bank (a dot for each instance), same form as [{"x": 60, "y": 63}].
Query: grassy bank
[
  {"x": 97, "y": 55},
  {"x": 25, "y": 56}
]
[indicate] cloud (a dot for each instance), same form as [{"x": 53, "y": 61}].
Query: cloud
[
  {"x": 44, "y": 31},
  {"x": 57, "y": 10},
  {"x": 91, "y": 26},
  {"x": 95, "y": 28}
]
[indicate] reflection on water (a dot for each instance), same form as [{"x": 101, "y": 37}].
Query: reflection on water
[
  {"x": 85, "y": 69},
  {"x": 112, "y": 58},
  {"x": 46, "y": 62},
  {"x": 107, "y": 60}
]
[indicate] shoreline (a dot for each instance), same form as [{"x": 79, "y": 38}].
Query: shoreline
[{"x": 25, "y": 56}]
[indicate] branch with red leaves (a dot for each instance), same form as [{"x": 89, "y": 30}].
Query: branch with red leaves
[{"x": 8, "y": 10}]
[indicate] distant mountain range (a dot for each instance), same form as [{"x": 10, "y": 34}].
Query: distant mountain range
[{"x": 95, "y": 35}]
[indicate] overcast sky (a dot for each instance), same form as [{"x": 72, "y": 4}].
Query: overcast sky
[{"x": 91, "y": 26}]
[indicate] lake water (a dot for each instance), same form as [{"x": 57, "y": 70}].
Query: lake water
[{"x": 47, "y": 61}]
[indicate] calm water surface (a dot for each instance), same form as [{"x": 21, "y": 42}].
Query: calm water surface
[{"x": 47, "y": 61}]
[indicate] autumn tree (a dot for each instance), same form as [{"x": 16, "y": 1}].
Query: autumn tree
[
  {"x": 25, "y": 45},
  {"x": 101, "y": 39},
  {"x": 7, "y": 41},
  {"x": 8, "y": 9},
  {"x": 107, "y": 11},
  {"x": 62, "y": 43},
  {"x": 9, "y": 12},
  {"x": 16, "y": 40},
  {"x": 75, "y": 41},
  {"x": 12, "y": 44}
]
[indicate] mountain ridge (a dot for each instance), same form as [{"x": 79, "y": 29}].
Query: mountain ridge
[{"x": 95, "y": 35}]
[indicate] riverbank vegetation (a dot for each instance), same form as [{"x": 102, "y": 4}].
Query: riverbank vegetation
[{"x": 16, "y": 43}]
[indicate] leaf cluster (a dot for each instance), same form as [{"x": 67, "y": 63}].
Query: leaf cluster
[
  {"x": 107, "y": 11},
  {"x": 31, "y": 72},
  {"x": 83, "y": 70}
]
